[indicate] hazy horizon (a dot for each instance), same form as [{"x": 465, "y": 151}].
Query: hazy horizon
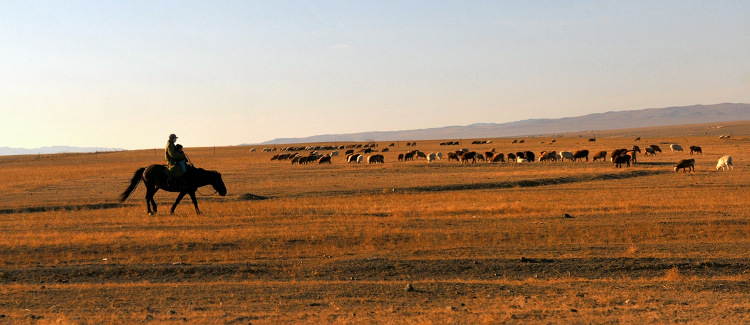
[{"x": 126, "y": 75}]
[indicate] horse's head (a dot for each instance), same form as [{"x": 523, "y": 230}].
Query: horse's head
[{"x": 218, "y": 184}]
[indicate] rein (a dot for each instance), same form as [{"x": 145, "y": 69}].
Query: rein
[{"x": 199, "y": 192}]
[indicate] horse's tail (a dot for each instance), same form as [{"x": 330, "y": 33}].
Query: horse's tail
[{"x": 133, "y": 184}]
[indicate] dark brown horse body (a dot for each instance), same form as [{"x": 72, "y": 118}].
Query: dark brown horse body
[{"x": 155, "y": 177}]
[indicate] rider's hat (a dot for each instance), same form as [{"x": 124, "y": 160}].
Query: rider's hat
[{"x": 172, "y": 136}]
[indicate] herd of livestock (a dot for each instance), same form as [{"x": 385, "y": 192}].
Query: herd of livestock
[{"x": 618, "y": 157}]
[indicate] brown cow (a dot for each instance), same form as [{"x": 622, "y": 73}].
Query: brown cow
[
  {"x": 498, "y": 157},
  {"x": 696, "y": 149},
  {"x": 621, "y": 159},
  {"x": 685, "y": 165},
  {"x": 600, "y": 155},
  {"x": 617, "y": 152},
  {"x": 471, "y": 155}
]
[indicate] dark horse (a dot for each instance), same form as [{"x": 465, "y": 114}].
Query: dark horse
[{"x": 155, "y": 177}]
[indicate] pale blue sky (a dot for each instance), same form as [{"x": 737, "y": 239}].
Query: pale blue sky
[{"x": 128, "y": 73}]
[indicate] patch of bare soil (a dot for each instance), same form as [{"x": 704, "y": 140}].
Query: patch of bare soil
[{"x": 378, "y": 269}]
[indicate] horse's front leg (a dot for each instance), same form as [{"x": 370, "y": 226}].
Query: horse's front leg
[
  {"x": 195, "y": 202},
  {"x": 179, "y": 198}
]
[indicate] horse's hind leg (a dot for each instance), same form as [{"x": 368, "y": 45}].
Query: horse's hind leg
[
  {"x": 195, "y": 202},
  {"x": 150, "y": 202}
]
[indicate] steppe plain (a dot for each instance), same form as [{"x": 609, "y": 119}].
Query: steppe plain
[{"x": 400, "y": 242}]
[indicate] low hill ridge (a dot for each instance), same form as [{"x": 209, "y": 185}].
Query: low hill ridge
[{"x": 650, "y": 117}]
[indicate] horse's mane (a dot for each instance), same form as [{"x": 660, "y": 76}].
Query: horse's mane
[{"x": 193, "y": 169}]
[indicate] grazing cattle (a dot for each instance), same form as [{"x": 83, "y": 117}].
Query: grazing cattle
[
  {"x": 522, "y": 141},
  {"x": 498, "y": 157},
  {"x": 592, "y": 139},
  {"x": 580, "y": 154},
  {"x": 480, "y": 157},
  {"x": 529, "y": 156},
  {"x": 489, "y": 154},
  {"x": 655, "y": 147},
  {"x": 324, "y": 160},
  {"x": 552, "y": 155},
  {"x": 650, "y": 151},
  {"x": 521, "y": 160},
  {"x": 466, "y": 156},
  {"x": 696, "y": 149},
  {"x": 553, "y": 141},
  {"x": 637, "y": 148},
  {"x": 360, "y": 158},
  {"x": 515, "y": 141},
  {"x": 621, "y": 159},
  {"x": 685, "y": 165},
  {"x": 349, "y": 152},
  {"x": 376, "y": 159},
  {"x": 420, "y": 154},
  {"x": 562, "y": 155},
  {"x": 452, "y": 156},
  {"x": 433, "y": 156},
  {"x": 675, "y": 147},
  {"x": 400, "y": 157},
  {"x": 334, "y": 154},
  {"x": 617, "y": 152},
  {"x": 385, "y": 150},
  {"x": 724, "y": 163},
  {"x": 354, "y": 158},
  {"x": 600, "y": 155},
  {"x": 511, "y": 156},
  {"x": 638, "y": 139},
  {"x": 409, "y": 155}
]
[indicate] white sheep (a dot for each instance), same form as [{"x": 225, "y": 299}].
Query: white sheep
[{"x": 724, "y": 163}]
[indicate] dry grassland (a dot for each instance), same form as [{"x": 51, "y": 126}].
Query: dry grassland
[{"x": 482, "y": 243}]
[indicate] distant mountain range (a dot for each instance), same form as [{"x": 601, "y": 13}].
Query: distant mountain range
[
  {"x": 7, "y": 151},
  {"x": 600, "y": 121},
  {"x": 696, "y": 114}
]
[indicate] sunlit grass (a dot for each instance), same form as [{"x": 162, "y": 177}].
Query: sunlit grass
[{"x": 405, "y": 211}]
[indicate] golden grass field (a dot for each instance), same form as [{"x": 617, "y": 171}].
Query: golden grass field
[{"x": 482, "y": 243}]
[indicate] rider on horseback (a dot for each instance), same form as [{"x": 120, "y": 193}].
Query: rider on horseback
[{"x": 176, "y": 160}]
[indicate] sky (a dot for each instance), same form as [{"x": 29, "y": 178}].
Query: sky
[{"x": 126, "y": 74}]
